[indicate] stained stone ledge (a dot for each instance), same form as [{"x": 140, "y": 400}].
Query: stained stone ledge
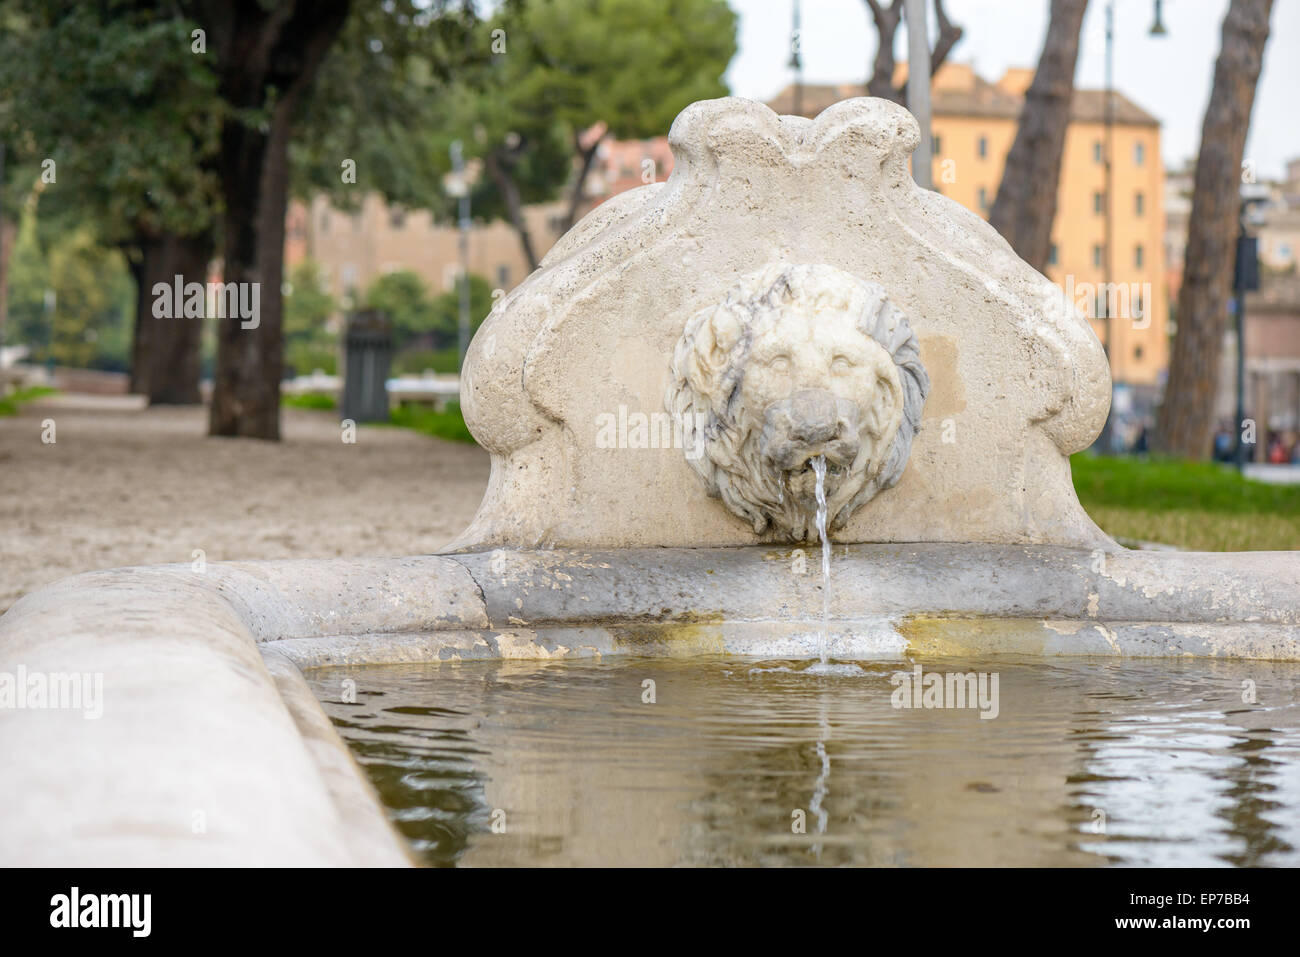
[{"x": 205, "y": 712}]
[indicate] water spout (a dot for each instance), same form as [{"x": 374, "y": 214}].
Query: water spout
[{"x": 823, "y": 641}]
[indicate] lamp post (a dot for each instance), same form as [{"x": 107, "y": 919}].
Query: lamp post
[
  {"x": 1108, "y": 239},
  {"x": 1245, "y": 278},
  {"x": 918, "y": 89},
  {"x": 796, "y": 63},
  {"x": 459, "y": 188},
  {"x": 1108, "y": 227}
]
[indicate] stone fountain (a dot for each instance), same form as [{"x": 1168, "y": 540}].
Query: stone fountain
[{"x": 656, "y": 399}]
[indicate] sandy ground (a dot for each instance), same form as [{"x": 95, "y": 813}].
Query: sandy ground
[{"x": 124, "y": 485}]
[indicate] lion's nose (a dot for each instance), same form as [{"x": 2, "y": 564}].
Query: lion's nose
[{"x": 813, "y": 417}]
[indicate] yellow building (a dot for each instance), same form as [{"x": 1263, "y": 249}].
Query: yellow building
[{"x": 974, "y": 124}]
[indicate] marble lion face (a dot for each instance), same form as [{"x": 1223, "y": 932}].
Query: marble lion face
[{"x": 799, "y": 361}]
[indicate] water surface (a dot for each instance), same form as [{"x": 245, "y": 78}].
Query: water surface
[{"x": 730, "y": 761}]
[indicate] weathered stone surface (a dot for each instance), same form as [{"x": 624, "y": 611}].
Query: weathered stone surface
[
  {"x": 1017, "y": 378},
  {"x": 195, "y": 759}
]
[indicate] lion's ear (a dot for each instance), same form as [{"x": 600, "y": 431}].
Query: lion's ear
[
  {"x": 885, "y": 405},
  {"x": 725, "y": 328},
  {"x": 714, "y": 340}
]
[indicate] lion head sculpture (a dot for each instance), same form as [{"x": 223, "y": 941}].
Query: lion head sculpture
[{"x": 798, "y": 361}]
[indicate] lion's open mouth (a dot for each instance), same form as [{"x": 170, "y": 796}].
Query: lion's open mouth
[{"x": 801, "y": 480}]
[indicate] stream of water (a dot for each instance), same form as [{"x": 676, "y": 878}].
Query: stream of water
[{"x": 824, "y": 641}]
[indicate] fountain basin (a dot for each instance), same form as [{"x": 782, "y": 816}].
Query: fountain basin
[
  {"x": 211, "y": 749},
  {"x": 719, "y": 761}
]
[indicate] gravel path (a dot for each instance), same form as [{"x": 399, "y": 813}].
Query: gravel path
[{"x": 124, "y": 485}]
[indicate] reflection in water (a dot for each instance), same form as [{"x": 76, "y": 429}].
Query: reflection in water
[{"x": 1089, "y": 762}]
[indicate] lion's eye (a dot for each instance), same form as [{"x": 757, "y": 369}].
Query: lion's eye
[
  {"x": 779, "y": 364},
  {"x": 841, "y": 364}
]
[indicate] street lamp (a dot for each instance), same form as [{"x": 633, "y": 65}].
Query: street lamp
[
  {"x": 1158, "y": 27},
  {"x": 458, "y": 187},
  {"x": 1108, "y": 240},
  {"x": 796, "y": 63}
]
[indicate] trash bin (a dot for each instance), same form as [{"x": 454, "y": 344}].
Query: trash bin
[{"x": 368, "y": 350}]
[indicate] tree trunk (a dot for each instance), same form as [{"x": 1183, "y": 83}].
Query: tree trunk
[
  {"x": 886, "y": 18},
  {"x": 167, "y": 350},
  {"x": 250, "y": 348},
  {"x": 142, "y": 330},
  {"x": 881, "y": 78},
  {"x": 8, "y": 236},
  {"x": 266, "y": 59},
  {"x": 586, "y": 158},
  {"x": 1026, "y": 202},
  {"x": 509, "y": 190},
  {"x": 1185, "y": 422}
]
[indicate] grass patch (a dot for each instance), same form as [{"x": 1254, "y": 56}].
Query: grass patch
[
  {"x": 10, "y": 404},
  {"x": 445, "y": 424},
  {"x": 1195, "y": 505},
  {"x": 309, "y": 400}
]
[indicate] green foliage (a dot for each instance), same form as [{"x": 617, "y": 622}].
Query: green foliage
[
  {"x": 446, "y": 309},
  {"x": 416, "y": 361},
  {"x": 421, "y": 323},
  {"x": 71, "y": 303},
  {"x": 568, "y": 65},
  {"x": 92, "y": 298},
  {"x": 632, "y": 64},
  {"x": 1169, "y": 484},
  {"x": 10, "y": 404},
  {"x": 445, "y": 424},
  {"x": 29, "y": 278},
  {"x": 404, "y": 298},
  {"x": 309, "y": 343},
  {"x": 310, "y": 400},
  {"x": 375, "y": 101},
  {"x": 1196, "y": 505},
  {"x": 112, "y": 94}
]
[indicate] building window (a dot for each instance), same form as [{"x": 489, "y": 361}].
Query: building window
[
  {"x": 1098, "y": 255},
  {"x": 397, "y": 217},
  {"x": 1138, "y": 256},
  {"x": 1137, "y": 353},
  {"x": 1140, "y": 204},
  {"x": 984, "y": 199},
  {"x": 1099, "y": 202},
  {"x": 1053, "y": 255},
  {"x": 324, "y": 221},
  {"x": 936, "y": 145},
  {"x": 349, "y": 277},
  {"x": 1139, "y": 154},
  {"x": 556, "y": 223},
  {"x": 1098, "y": 153},
  {"x": 983, "y": 147},
  {"x": 503, "y": 277}
]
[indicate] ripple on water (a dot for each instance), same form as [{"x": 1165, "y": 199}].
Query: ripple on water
[{"x": 727, "y": 761}]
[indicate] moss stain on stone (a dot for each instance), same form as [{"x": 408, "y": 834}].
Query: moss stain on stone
[
  {"x": 956, "y": 637},
  {"x": 701, "y": 635}
]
